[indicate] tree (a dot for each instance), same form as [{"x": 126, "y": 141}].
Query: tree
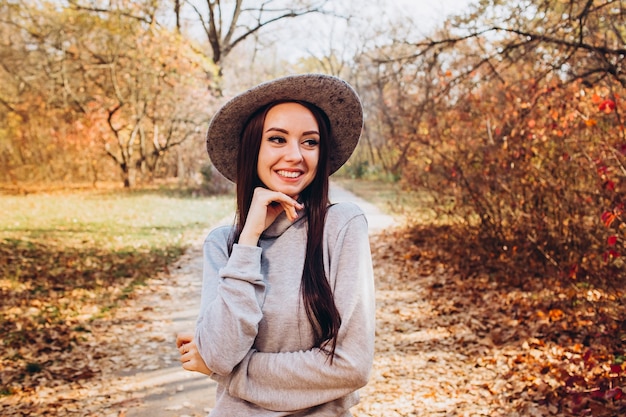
[
  {"x": 119, "y": 82},
  {"x": 512, "y": 117},
  {"x": 227, "y": 24},
  {"x": 154, "y": 101},
  {"x": 577, "y": 39},
  {"x": 116, "y": 75}
]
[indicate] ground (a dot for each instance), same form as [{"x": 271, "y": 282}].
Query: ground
[{"x": 445, "y": 346}]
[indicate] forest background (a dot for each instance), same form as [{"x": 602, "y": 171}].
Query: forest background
[{"x": 505, "y": 122}]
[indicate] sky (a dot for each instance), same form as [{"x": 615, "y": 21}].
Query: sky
[
  {"x": 429, "y": 13},
  {"x": 425, "y": 15},
  {"x": 321, "y": 35}
]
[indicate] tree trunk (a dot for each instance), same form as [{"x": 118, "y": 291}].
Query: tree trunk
[{"x": 128, "y": 175}]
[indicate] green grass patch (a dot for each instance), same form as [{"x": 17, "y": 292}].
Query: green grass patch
[
  {"x": 110, "y": 220},
  {"x": 68, "y": 258},
  {"x": 391, "y": 198}
]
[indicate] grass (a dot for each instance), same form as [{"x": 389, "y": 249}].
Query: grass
[
  {"x": 68, "y": 258},
  {"x": 113, "y": 220},
  {"x": 390, "y": 198},
  {"x": 385, "y": 195}
]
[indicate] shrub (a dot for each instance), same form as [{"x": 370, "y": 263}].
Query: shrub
[{"x": 214, "y": 183}]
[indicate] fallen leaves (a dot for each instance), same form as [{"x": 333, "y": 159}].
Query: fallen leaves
[
  {"x": 51, "y": 298},
  {"x": 451, "y": 343},
  {"x": 448, "y": 343}
]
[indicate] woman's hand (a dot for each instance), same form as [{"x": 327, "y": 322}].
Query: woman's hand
[
  {"x": 265, "y": 207},
  {"x": 190, "y": 357}
]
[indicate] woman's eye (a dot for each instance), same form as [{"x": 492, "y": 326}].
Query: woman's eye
[
  {"x": 276, "y": 139},
  {"x": 311, "y": 142}
]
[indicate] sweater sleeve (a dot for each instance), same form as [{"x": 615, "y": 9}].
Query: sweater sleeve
[
  {"x": 289, "y": 381},
  {"x": 233, "y": 291}
]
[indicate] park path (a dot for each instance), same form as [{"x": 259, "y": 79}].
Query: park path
[{"x": 153, "y": 383}]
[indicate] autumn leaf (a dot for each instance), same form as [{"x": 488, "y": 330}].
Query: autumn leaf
[
  {"x": 615, "y": 393},
  {"x": 608, "y": 218},
  {"x": 609, "y": 185},
  {"x": 610, "y": 254},
  {"x": 607, "y": 106},
  {"x": 556, "y": 314}
]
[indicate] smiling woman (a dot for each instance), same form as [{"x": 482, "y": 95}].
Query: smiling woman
[{"x": 286, "y": 323}]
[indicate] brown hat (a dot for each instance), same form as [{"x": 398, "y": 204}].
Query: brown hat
[{"x": 332, "y": 95}]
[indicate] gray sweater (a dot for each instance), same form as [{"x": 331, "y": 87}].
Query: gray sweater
[{"x": 253, "y": 332}]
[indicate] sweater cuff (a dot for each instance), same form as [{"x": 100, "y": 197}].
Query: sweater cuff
[{"x": 244, "y": 263}]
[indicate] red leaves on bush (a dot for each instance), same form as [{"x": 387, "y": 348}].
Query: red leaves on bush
[
  {"x": 608, "y": 217},
  {"x": 607, "y": 106},
  {"x": 610, "y": 254},
  {"x": 609, "y": 185},
  {"x": 615, "y": 394}
]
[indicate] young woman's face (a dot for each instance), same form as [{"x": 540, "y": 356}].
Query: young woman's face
[{"x": 290, "y": 148}]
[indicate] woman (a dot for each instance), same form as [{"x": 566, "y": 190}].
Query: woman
[{"x": 286, "y": 324}]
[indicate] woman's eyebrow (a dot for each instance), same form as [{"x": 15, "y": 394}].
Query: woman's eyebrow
[{"x": 278, "y": 129}]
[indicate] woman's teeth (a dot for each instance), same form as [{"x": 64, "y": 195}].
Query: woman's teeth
[{"x": 288, "y": 174}]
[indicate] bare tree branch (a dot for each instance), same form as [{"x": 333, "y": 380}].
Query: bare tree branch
[
  {"x": 146, "y": 19},
  {"x": 238, "y": 29}
]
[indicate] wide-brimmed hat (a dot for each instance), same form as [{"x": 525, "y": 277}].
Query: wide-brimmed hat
[{"x": 332, "y": 95}]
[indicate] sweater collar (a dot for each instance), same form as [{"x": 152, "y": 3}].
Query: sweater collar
[{"x": 281, "y": 224}]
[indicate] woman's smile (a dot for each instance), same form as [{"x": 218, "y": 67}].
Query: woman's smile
[{"x": 289, "y": 174}]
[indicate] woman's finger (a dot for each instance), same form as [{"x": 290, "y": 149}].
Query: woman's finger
[
  {"x": 267, "y": 197},
  {"x": 187, "y": 352},
  {"x": 182, "y": 338},
  {"x": 290, "y": 210}
]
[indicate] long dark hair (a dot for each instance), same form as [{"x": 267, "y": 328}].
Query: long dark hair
[{"x": 317, "y": 295}]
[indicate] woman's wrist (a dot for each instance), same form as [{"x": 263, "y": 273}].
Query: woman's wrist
[{"x": 248, "y": 239}]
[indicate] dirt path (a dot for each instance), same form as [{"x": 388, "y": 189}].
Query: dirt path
[
  {"x": 159, "y": 387},
  {"x": 152, "y": 383}
]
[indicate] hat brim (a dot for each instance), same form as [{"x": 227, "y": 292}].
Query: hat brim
[{"x": 332, "y": 95}]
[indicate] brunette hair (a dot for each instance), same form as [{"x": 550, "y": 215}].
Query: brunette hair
[{"x": 317, "y": 295}]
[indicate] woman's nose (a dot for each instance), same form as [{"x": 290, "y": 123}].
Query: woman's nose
[{"x": 293, "y": 151}]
